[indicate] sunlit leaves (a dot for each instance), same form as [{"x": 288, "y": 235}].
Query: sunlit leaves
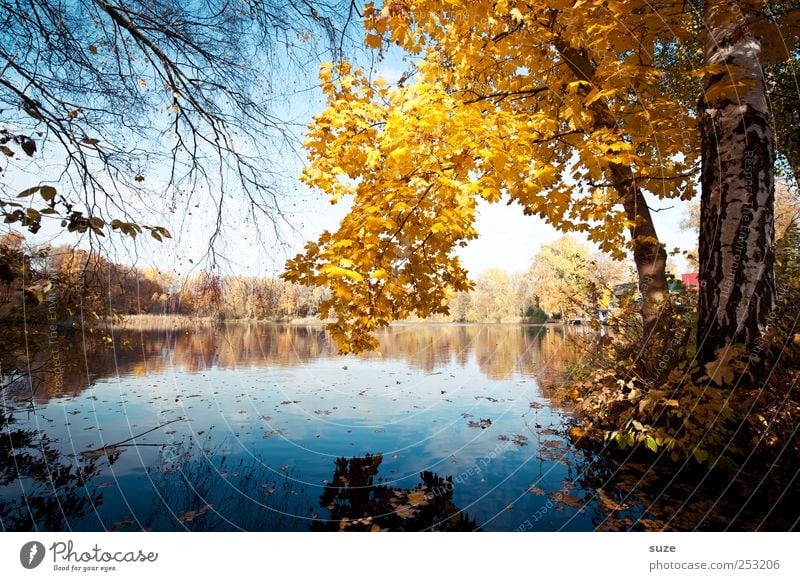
[
  {"x": 723, "y": 369},
  {"x": 497, "y": 108}
]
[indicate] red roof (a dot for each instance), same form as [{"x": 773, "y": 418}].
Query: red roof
[{"x": 691, "y": 280}]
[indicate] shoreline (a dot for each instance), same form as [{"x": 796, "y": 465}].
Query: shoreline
[{"x": 189, "y": 321}]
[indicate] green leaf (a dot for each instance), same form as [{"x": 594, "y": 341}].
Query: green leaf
[
  {"x": 624, "y": 440},
  {"x": 651, "y": 443},
  {"x": 700, "y": 455}
]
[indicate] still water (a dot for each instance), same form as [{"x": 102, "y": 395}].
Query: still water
[{"x": 263, "y": 427}]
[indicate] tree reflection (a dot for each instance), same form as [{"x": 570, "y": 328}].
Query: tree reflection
[
  {"x": 637, "y": 496},
  {"x": 499, "y": 351},
  {"x": 355, "y": 503},
  {"x": 41, "y": 489},
  {"x": 202, "y": 488}
]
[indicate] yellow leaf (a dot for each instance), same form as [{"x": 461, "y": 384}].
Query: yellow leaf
[{"x": 720, "y": 371}]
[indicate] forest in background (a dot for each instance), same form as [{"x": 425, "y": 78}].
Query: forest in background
[{"x": 565, "y": 281}]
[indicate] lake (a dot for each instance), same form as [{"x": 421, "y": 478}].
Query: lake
[{"x": 263, "y": 427}]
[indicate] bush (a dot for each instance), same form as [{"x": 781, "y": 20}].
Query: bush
[{"x": 535, "y": 314}]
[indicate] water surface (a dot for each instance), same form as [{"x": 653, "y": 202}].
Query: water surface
[{"x": 262, "y": 427}]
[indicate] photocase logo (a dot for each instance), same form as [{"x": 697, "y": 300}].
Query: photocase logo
[{"x": 31, "y": 554}]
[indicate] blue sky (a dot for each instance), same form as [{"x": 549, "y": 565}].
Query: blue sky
[{"x": 508, "y": 239}]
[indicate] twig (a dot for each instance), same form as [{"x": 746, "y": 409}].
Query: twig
[
  {"x": 118, "y": 444},
  {"x": 8, "y": 64}
]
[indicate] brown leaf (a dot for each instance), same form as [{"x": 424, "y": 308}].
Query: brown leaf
[
  {"x": 404, "y": 511},
  {"x": 417, "y": 498}
]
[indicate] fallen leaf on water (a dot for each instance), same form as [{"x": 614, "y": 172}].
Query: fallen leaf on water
[
  {"x": 608, "y": 502},
  {"x": 404, "y": 511},
  {"x": 193, "y": 514},
  {"x": 533, "y": 489},
  {"x": 417, "y": 498},
  {"x": 123, "y": 522},
  {"x": 577, "y": 432},
  {"x": 520, "y": 440}
]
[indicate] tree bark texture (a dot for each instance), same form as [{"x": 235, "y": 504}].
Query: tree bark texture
[{"x": 736, "y": 247}]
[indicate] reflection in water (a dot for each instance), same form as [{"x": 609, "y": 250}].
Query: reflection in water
[
  {"x": 357, "y": 503},
  {"x": 237, "y": 427},
  {"x": 641, "y": 496},
  {"x": 499, "y": 350},
  {"x": 51, "y": 487},
  {"x": 199, "y": 486}
]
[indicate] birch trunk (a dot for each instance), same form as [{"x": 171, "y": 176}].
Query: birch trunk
[{"x": 737, "y": 281}]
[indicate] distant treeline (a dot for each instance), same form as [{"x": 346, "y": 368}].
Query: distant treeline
[{"x": 564, "y": 281}]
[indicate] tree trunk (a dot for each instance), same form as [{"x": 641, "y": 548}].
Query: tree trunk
[
  {"x": 650, "y": 258},
  {"x": 648, "y": 253},
  {"x": 737, "y": 281}
]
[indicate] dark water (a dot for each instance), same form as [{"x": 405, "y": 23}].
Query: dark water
[{"x": 263, "y": 427}]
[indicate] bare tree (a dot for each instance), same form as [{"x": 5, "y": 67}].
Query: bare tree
[{"x": 106, "y": 103}]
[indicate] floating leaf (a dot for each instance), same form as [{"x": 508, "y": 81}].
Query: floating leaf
[{"x": 417, "y": 498}]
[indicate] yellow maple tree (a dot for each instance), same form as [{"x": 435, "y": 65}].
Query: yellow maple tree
[{"x": 560, "y": 106}]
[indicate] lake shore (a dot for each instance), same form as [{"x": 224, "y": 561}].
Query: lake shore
[{"x": 153, "y": 321}]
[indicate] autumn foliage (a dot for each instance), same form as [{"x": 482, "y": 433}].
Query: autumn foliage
[{"x": 499, "y": 108}]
